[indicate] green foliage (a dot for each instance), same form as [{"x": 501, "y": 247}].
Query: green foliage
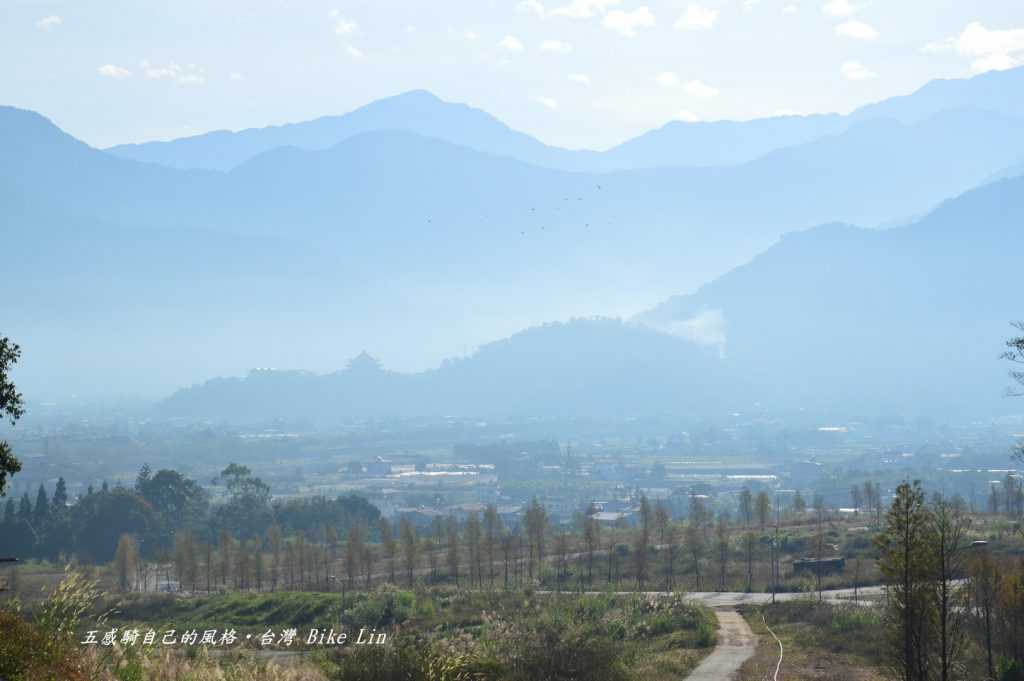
[
  {"x": 236, "y": 610},
  {"x": 27, "y": 653},
  {"x": 11, "y": 406},
  {"x": 100, "y": 519},
  {"x": 381, "y": 609}
]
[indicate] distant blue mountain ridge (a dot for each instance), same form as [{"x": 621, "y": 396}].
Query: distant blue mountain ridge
[{"x": 677, "y": 143}]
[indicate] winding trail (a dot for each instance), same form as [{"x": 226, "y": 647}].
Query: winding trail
[{"x": 736, "y": 643}]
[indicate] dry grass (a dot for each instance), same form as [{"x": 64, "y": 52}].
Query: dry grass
[
  {"x": 170, "y": 665},
  {"x": 810, "y": 654}
]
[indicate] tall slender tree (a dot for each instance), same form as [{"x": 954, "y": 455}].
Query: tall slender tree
[
  {"x": 492, "y": 530},
  {"x": 946, "y": 532},
  {"x": 905, "y": 565},
  {"x": 410, "y": 547}
]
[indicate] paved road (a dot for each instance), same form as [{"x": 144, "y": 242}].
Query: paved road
[
  {"x": 736, "y": 643},
  {"x": 732, "y": 599}
]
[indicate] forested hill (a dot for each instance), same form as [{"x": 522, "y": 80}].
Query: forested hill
[
  {"x": 906, "y": 318},
  {"x": 598, "y": 367}
]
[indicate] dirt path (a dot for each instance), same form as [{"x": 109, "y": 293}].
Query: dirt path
[{"x": 736, "y": 643}]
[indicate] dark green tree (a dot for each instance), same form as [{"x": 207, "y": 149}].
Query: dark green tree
[
  {"x": 100, "y": 519},
  {"x": 25, "y": 508},
  {"x": 247, "y": 512},
  {"x": 11, "y": 406},
  {"x": 41, "y": 511},
  {"x": 60, "y": 496},
  {"x": 175, "y": 499}
]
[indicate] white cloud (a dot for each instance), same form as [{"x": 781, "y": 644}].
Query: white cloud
[
  {"x": 790, "y": 9},
  {"x": 555, "y": 46},
  {"x": 159, "y": 72},
  {"x": 694, "y": 88},
  {"x": 472, "y": 35},
  {"x": 667, "y": 79},
  {"x": 700, "y": 89},
  {"x": 46, "y": 23},
  {"x": 190, "y": 75},
  {"x": 988, "y": 49},
  {"x": 991, "y": 50},
  {"x": 236, "y": 76},
  {"x": 697, "y": 18},
  {"x": 788, "y": 112},
  {"x": 584, "y": 9},
  {"x": 978, "y": 41},
  {"x": 511, "y": 43},
  {"x": 854, "y": 70},
  {"x": 355, "y": 52},
  {"x": 857, "y": 29},
  {"x": 839, "y": 8},
  {"x": 547, "y": 102},
  {"x": 345, "y": 27},
  {"x": 686, "y": 116},
  {"x": 626, "y": 23},
  {"x": 581, "y": 78},
  {"x": 113, "y": 71},
  {"x": 996, "y": 62}
]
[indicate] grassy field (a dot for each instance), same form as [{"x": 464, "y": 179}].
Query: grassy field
[
  {"x": 821, "y": 642},
  {"x": 489, "y": 636}
]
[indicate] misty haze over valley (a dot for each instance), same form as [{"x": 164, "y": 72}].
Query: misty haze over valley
[{"x": 857, "y": 262}]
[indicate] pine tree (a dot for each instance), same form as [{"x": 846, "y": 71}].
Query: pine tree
[
  {"x": 905, "y": 565},
  {"x": 25, "y": 507},
  {"x": 60, "y": 496},
  {"x": 41, "y": 511}
]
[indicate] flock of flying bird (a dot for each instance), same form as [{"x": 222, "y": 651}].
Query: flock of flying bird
[{"x": 534, "y": 210}]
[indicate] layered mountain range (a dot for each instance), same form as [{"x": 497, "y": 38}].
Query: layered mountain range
[{"x": 419, "y": 230}]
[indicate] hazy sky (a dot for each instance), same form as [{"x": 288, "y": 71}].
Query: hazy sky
[{"x": 581, "y": 73}]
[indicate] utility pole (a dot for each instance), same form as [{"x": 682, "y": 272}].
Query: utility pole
[{"x": 775, "y": 552}]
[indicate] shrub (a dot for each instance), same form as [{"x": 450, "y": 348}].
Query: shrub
[{"x": 27, "y": 653}]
